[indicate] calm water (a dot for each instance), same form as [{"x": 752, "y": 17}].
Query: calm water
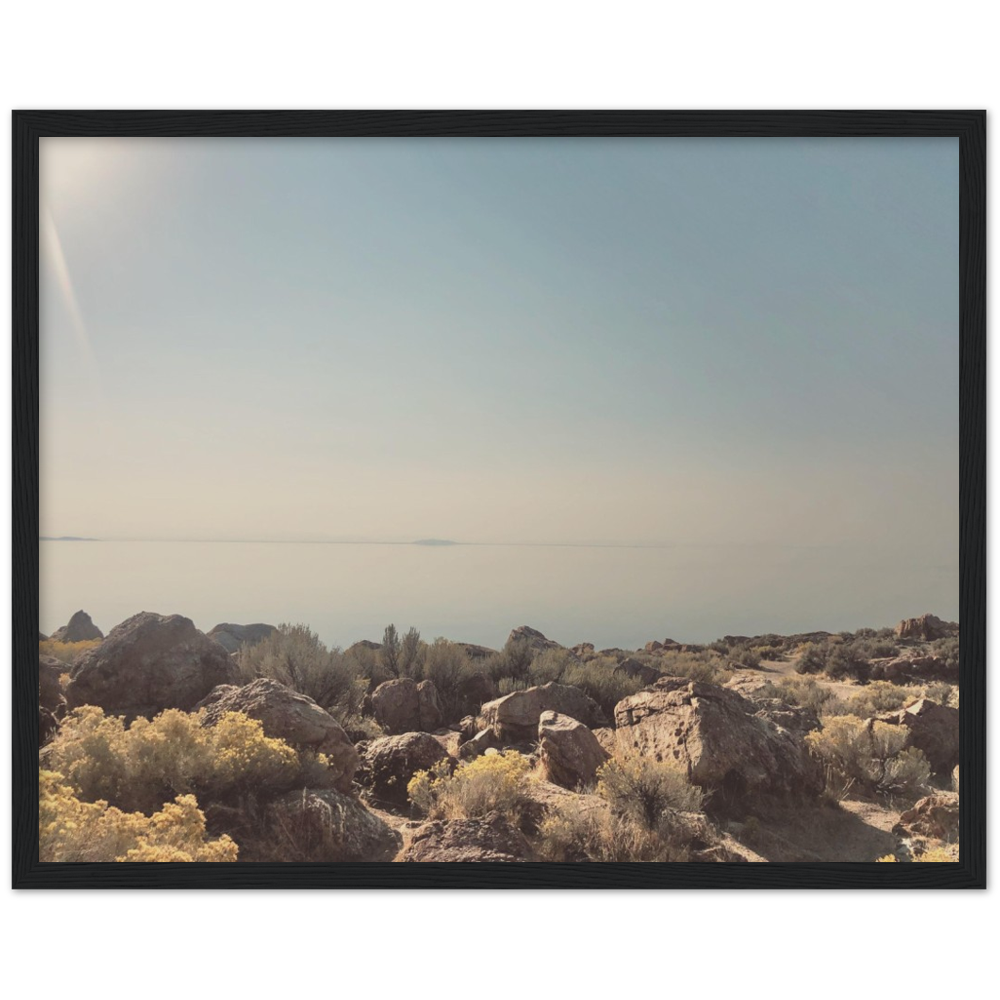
[{"x": 477, "y": 593}]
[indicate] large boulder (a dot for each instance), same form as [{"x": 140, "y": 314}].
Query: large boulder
[
  {"x": 147, "y": 664},
  {"x": 933, "y": 729},
  {"x": 404, "y": 706},
  {"x": 324, "y": 825},
  {"x": 514, "y": 718},
  {"x": 926, "y": 627},
  {"x": 912, "y": 669},
  {"x": 533, "y": 639},
  {"x": 79, "y": 629},
  {"x": 489, "y": 839},
  {"x": 232, "y": 637},
  {"x": 730, "y": 749},
  {"x": 637, "y": 670},
  {"x": 932, "y": 818},
  {"x": 287, "y": 715},
  {"x": 388, "y": 764},
  {"x": 569, "y": 753}
]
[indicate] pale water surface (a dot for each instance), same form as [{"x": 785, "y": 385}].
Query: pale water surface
[{"x": 477, "y": 593}]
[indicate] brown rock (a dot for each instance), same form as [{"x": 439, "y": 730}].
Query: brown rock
[
  {"x": 388, "y": 764},
  {"x": 404, "y": 706},
  {"x": 232, "y": 637},
  {"x": 324, "y": 825},
  {"x": 728, "y": 750},
  {"x": 934, "y": 818},
  {"x": 484, "y": 740},
  {"x": 569, "y": 753},
  {"x": 652, "y": 647},
  {"x": 147, "y": 664},
  {"x": 584, "y": 651},
  {"x": 474, "y": 652},
  {"x": 534, "y": 639},
  {"x": 925, "y": 627},
  {"x": 933, "y": 729},
  {"x": 489, "y": 839},
  {"x": 287, "y": 715},
  {"x": 79, "y": 629},
  {"x": 638, "y": 671},
  {"x": 514, "y": 718}
]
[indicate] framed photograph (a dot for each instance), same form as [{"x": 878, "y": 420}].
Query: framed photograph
[{"x": 499, "y": 499}]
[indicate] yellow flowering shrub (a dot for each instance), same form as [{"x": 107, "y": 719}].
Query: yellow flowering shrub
[
  {"x": 67, "y": 652},
  {"x": 70, "y": 830},
  {"x": 480, "y": 786},
  {"x": 141, "y": 766}
]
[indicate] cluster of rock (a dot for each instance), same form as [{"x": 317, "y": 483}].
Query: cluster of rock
[
  {"x": 741, "y": 751},
  {"x": 80, "y": 628},
  {"x": 926, "y": 628}
]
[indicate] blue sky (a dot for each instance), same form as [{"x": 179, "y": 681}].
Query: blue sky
[{"x": 731, "y": 341}]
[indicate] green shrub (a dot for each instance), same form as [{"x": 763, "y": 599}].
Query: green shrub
[
  {"x": 140, "y": 767},
  {"x": 295, "y": 657},
  {"x": 871, "y": 757},
  {"x": 598, "y": 680},
  {"x": 481, "y": 786},
  {"x": 73, "y": 831},
  {"x": 706, "y": 666},
  {"x": 513, "y": 661},
  {"x": 643, "y": 789},
  {"x": 448, "y": 666}
]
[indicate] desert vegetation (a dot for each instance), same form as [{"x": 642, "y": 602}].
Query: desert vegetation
[{"x": 161, "y": 743}]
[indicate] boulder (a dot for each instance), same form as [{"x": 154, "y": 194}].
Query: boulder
[
  {"x": 79, "y": 629},
  {"x": 652, "y": 647},
  {"x": 933, "y": 730},
  {"x": 388, "y": 764},
  {"x": 932, "y": 818},
  {"x": 569, "y": 753},
  {"x": 287, "y": 715},
  {"x": 583, "y": 651},
  {"x": 638, "y": 671},
  {"x": 489, "y": 839},
  {"x": 475, "y": 690},
  {"x": 147, "y": 664},
  {"x": 532, "y": 638},
  {"x": 429, "y": 707},
  {"x": 514, "y": 718},
  {"x": 734, "y": 754},
  {"x": 484, "y": 740},
  {"x": 232, "y": 637},
  {"x": 404, "y": 706},
  {"x": 796, "y": 718},
  {"x": 324, "y": 825},
  {"x": 926, "y": 627}
]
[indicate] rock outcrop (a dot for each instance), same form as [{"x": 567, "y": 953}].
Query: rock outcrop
[
  {"x": 231, "y": 637},
  {"x": 388, "y": 764},
  {"x": 405, "y": 706},
  {"x": 912, "y": 669},
  {"x": 147, "y": 664},
  {"x": 926, "y": 627},
  {"x": 569, "y": 753},
  {"x": 533, "y": 639},
  {"x": 736, "y": 754},
  {"x": 79, "y": 629},
  {"x": 324, "y": 825},
  {"x": 489, "y": 839},
  {"x": 287, "y": 715},
  {"x": 932, "y": 818},
  {"x": 514, "y": 718}
]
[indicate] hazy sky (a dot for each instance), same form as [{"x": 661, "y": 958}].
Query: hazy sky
[{"x": 631, "y": 340}]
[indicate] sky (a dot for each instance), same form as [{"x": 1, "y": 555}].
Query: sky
[{"x": 639, "y": 341}]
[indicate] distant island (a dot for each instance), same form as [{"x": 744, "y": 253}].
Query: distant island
[
  {"x": 66, "y": 538},
  {"x": 435, "y": 541}
]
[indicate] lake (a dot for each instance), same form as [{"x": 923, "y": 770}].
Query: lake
[{"x": 611, "y": 596}]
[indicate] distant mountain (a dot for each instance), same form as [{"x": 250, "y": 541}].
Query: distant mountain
[
  {"x": 66, "y": 538},
  {"x": 435, "y": 541}
]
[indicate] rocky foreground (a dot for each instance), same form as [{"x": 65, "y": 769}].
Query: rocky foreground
[{"x": 253, "y": 742}]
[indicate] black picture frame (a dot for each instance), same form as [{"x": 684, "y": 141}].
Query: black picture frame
[{"x": 969, "y": 127}]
